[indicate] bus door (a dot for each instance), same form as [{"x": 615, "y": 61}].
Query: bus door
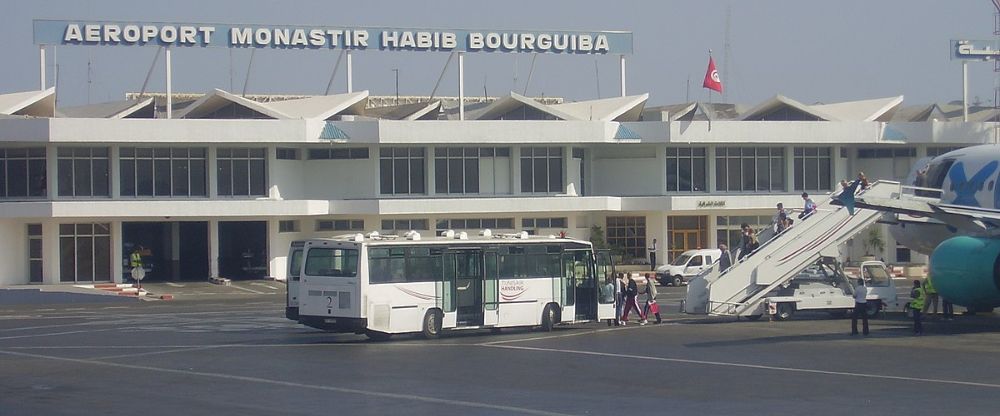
[
  {"x": 292, "y": 280},
  {"x": 469, "y": 287},
  {"x": 585, "y": 284},
  {"x": 445, "y": 290},
  {"x": 491, "y": 289},
  {"x": 567, "y": 281},
  {"x": 607, "y": 285}
]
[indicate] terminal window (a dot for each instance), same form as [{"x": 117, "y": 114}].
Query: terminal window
[
  {"x": 628, "y": 234},
  {"x": 83, "y": 171},
  {"x": 22, "y": 172},
  {"x": 813, "y": 169},
  {"x": 686, "y": 169}
]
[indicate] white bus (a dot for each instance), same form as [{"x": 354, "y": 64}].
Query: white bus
[{"x": 381, "y": 285}]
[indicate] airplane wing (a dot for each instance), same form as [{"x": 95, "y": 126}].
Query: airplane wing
[{"x": 973, "y": 219}]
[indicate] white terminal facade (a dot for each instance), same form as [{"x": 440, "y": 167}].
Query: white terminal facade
[{"x": 224, "y": 187}]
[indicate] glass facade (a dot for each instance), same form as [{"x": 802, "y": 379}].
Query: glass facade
[
  {"x": 401, "y": 170},
  {"x": 163, "y": 172},
  {"x": 241, "y": 171},
  {"x": 813, "y": 169},
  {"x": 22, "y": 172},
  {"x": 629, "y": 235},
  {"x": 686, "y": 169},
  {"x": 83, "y": 171},
  {"x": 750, "y": 169},
  {"x": 541, "y": 169},
  {"x": 84, "y": 252}
]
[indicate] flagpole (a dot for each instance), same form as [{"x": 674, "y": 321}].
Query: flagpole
[{"x": 709, "y": 116}]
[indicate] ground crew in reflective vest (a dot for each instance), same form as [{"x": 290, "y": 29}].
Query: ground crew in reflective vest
[
  {"x": 932, "y": 296},
  {"x": 916, "y": 305},
  {"x": 135, "y": 261}
]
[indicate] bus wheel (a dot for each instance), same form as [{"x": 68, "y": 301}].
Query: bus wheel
[
  {"x": 377, "y": 336},
  {"x": 432, "y": 324},
  {"x": 753, "y": 317},
  {"x": 548, "y": 318},
  {"x": 785, "y": 311}
]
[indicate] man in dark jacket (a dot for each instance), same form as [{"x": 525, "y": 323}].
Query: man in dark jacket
[
  {"x": 631, "y": 292},
  {"x": 726, "y": 259}
]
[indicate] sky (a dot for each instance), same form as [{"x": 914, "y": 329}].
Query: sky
[{"x": 810, "y": 51}]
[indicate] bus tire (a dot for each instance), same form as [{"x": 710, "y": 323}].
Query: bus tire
[
  {"x": 548, "y": 317},
  {"x": 377, "y": 336},
  {"x": 432, "y": 324},
  {"x": 677, "y": 281},
  {"x": 753, "y": 317},
  {"x": 785, "y": 311}
]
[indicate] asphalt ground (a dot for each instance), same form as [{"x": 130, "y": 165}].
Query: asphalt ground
[{"x": 235, "y": 353}]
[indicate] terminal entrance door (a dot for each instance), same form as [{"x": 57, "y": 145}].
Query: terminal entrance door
[
  {"x": 686, "y": 233},
  {"x": 243, "y": 249},
  {"x": 170, "y": 251}
]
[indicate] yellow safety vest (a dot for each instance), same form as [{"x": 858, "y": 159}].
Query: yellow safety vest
[
  {"x": 929, "y": 287},
  {"x": 918, "y": 301},
  {"x": 136, "y": 259}
]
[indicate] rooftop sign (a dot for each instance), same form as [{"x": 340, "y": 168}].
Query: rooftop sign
[
  {"x": 975, "y": 49},
  {"x": 102, "y": 33}
]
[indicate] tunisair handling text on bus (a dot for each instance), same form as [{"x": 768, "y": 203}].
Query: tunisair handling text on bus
[{"x": 277, "y": 37}]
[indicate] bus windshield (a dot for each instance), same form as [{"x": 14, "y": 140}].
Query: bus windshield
[{"x": 333, "y": 262}]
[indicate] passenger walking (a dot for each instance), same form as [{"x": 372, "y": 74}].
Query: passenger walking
[
  {"x": 651, "y": 305},
  {"x": 860, "y": 308},
  {"x": 744, "y": 248},
  {"x": 726, "y": 259},
  {"x": 932, "y": 296},
  {"x": 863, "y": 181},
  {"x": 808, "y": 206},
  {"x": 916, "y": 305},
  {"x": 652, "y": 255},
  {"x": 780, "y": 223},
  {"x": 631, "y": 293}
]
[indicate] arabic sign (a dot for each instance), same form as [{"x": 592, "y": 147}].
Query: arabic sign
[
  {"x": 975, "y": 49},
  {"x": 102, "y": 33}
]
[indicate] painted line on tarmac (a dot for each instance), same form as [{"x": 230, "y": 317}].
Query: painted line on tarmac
[
  {"x": 148, "y": 353},
  {"x": 380, "y": 394},
  {"x": 749, "y": 366},
  {"x": 250, "y": 290},
  {"x": 666, "y": 322},
  {"x": 53, "y": 334}
]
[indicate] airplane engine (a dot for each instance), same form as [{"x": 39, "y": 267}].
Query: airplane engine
[{"x": 966, "y": 271}]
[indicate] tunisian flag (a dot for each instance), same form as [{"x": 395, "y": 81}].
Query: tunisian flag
[{"x": 712, "y": 80}]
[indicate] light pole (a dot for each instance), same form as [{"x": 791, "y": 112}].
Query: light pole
[{"x": 396, "y": 70}]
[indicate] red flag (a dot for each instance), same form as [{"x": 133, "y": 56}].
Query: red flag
[{"x": 712, "y": 80}]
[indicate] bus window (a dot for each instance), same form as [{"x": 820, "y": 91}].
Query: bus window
[
  {"x": 295, "y": 265},
  {"x": 333, "y": 262}
]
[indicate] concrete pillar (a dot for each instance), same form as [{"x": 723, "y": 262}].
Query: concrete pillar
[
  {"x": 429, "y": 177},
  {"x": 515, "y": 169},
  {"x": 212, "y": 173},
  {"x": 213, "y": 248},
  {"x": 117, "y": 252},
  {"x": 175, "y": 250},
  {"x": 273, "y": 190},
  {"x": 114, "y": 172},
  {"x": 567, "y": 175},
  {"x": 660, "y": 174},
  {"x": 710, "y": 176},
  {"x": 50, "y": 251},
  {"x": 790, "y": 168},
  {"x": 51, "y": 172}
]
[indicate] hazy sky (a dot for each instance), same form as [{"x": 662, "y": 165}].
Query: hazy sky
[{"x": 811, "y": 51}]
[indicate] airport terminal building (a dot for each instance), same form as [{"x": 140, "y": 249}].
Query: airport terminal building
[
  {"x": 224, "y": 186},
  {"x": 218, "y": 184}
]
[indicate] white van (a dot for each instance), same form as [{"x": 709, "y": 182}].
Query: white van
[{"x": 687, "y": 266}]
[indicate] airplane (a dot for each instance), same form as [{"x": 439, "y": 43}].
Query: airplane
[{"x": 949, "y": 209}]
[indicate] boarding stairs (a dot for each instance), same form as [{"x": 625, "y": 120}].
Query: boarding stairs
[{"x": 740, "y": 290}]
